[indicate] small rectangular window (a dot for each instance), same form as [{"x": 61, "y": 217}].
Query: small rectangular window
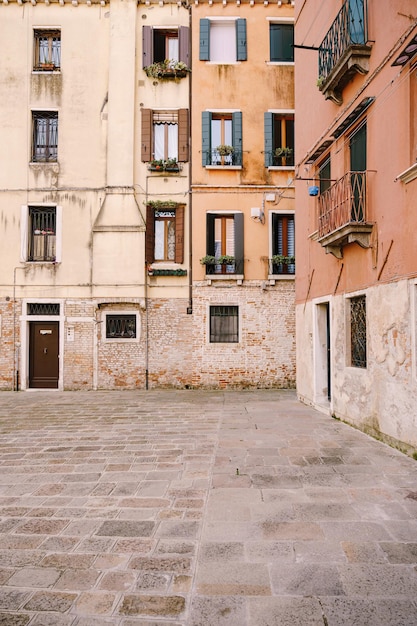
[
  {"x": 279, "y": 139},
  {"x": 45, "y": 136},
  {"x": 42, "y": 308},
  {"x": 281, "y": 40},
  {"x": 165, "y": 233},
  {"x": 120, "y": 326},
  {"x": 223, "y": 41},
  {"x": 47, "y": 53},
  {"x": 224, "y": 324},
  {"x": 42, "y": 234},
  {"x": 358, "y": 331},
  {"x": 283, "y": 244},
  {"x": 224, "y": 248},
  {"x": 222, "y": 138}
]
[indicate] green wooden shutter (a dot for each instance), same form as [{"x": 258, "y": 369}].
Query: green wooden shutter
[
  {"x": 183, "y": 135},
  {"x": 241, "y": 44},
  {"x": 183, "y": 44},
  {"x": 268, "y": 138},
  {"x": 206, "y": 138},
  {"x": 210, "y": 234},
  {"x": 237, "y": 136},
  {"x": 146, "y": 138},
  {"x": 150, "y": 235},
  {"x": 179, "y": 234},
  {"x": 147, "y": 47},
  {"x": 204, "y": 40},
  {"x": 281, "y": 42},
  {"x": 239, "y": 252}
]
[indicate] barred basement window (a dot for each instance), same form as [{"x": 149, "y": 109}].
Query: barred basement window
[
  {"x": 43, "y": 308},
  {"x": 121, "y": 326},
  {"x": 224, "y": 324},
  {"x": 358, "y": 331}
]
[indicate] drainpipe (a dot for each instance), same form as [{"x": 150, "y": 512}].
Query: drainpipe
[
  {"x": 146, "y": 302},
  {"x": 190, "y": 177}
]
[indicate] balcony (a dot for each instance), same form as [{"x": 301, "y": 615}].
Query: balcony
[
  {"x": 344, "y": 51},
  {"x": 280, "y": 265},
  {"x": 216, "y": 158},
  {"x": 342, "y": 214}
]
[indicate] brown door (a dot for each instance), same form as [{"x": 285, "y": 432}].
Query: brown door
[{"x": 43, "y": 355}]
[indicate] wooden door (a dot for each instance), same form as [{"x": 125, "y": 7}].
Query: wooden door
[{"x": 44, "y": 355}]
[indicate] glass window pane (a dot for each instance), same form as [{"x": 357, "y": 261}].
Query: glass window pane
[
  {"x": 159, "y": 240},
  {"x": 159, "y": 141},
  {"x": 172, "y": 141},
  {"x": 173, "y": 49}
]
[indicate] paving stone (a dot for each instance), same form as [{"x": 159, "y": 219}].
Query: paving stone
[
  {"x": 358, "y": 612},
  {"x": 219, "y": 578},
  {"x": 126, "y": 529},
  {"x": 14, "y": 619},
  {"x": 378, "y": 580},
  {"x": 285, "y": 612},
  {"x": 306, "y": 579},
  {"x": 152, "y": 605},
  {"x": 77, "y": 579},
  {"x": 12, "y": 599},
  {"x": 218, "y": 611},
  {"x": 96, "y": 603},
  {"x": 50, "y": 601},
  {"x": 52, "y": 619},
  {"x": 34, "y": 577}
]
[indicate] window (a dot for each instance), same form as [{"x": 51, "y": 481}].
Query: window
[
  {"x": 160, "y": 44},
  {"x": 283, "y": 244},
  {"x": 164, "y": 135},
  {"x": 358, "y": 331},
  {"x": 223, "y": 41},
  {"x": 121, "y": 326},
  {"x": 221, "y": 138},
  {"x": 224, "y": 324},
  {"x": 225, "y": 238},
  {"x": 281, "y": 41},
  {"x": 279, "y": 139},
  {"x": 165, "y": 233},
  {"x": 45, "y": 136},
  {"x": 42, "y": 234},
  {"x": 325, "y": 174},
  {"x": 47, "y": 53}
]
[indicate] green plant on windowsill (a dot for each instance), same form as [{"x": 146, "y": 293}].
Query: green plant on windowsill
[
  {"x": 167, "y": 69},
  {"x": 320, "y": 82},
  {"x": 280, "y": 259},
  {"x": 225, "y": 259},
  {"x": 162, "y": 204},
  {"x": 171, "y": 164},
  {"x": 283, "y": 152},
  {"x": 157, "y": 164},
  {"x": 225, "y": 150},
  {"x": 209, "y": 259}
]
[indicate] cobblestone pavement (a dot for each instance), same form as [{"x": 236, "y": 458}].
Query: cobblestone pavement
[{"x": 190, "y": 508}]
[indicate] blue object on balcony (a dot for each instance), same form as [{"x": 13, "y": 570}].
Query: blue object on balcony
[{"x": 313, "y": 190}]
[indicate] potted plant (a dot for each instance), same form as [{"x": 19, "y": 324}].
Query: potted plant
[
  {"x": 281, "y": 263},
  {"x": 157, "y": 164},
  {"x": 167, "y": 69},
  {"x": 209, "y": 261},
  {"x": 282, "y": 155},
  {"x": 172, "y": 165},
  {"x": 225, "y": 150},
  {"x": 226, "y": 259}
]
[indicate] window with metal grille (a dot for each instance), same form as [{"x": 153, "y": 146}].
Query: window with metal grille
[
  {"x": 47, "y": 51},
  {"x": 43, "y": 308},
  {"x": 45, "y": 136},
  {"x": 358, "y": 331},
  {"x": 120, "y": 326},
  {"x": 42, "y": 234},
  {"x": 224, "y": 324}
]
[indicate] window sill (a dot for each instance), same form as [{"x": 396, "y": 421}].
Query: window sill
[
  {"x": 273, "y": 277},
  {"x": 281, "y": 167},
  {"x": 32, "y": 262},
  {"x": 280, "y": 62},
  {"x": 223, "y": 167},
  {"x": 215, "y": 277},
  {"x": 223, "y": 62}
]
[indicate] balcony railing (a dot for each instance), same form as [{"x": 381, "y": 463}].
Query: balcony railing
[
  {"x": 342, "y": 215},
  {"x": 344, "y": 49},
  {"x": 236, "y": 267},
  {"x": 279, "y": 161},
  {"x": 213, "y": 157},
  {"x": 281, "y": 267}
]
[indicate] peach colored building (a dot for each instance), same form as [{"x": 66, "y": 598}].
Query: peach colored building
[
  {"x": 356, "y": 194},
  {"x": 242, "y": 193}
]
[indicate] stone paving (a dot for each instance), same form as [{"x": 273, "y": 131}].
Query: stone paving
[{"x": 199, "y": 508}]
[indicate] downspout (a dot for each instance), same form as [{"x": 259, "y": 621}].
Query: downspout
[
  {"x": 190, "y": 177},
  {"x": 146, "y": 304}
]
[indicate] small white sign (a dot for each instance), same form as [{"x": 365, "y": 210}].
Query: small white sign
[{"x": 70, "y": 333}]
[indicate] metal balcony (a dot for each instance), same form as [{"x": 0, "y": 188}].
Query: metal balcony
[
  {"x": 342, "y": 214},
  {"x": 344, "y": 50}
]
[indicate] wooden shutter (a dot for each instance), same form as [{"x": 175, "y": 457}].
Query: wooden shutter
[
  {"x": 184, "y": 44},
  {"x": 183, "y": 135},
  {"x": 268, "y": 138},
  {"x": 147, "y": 46},
  {"x": 241, "y": 45},
  {"x": 206, "y": 138},
  {"x": 281, "y": 42},
  {"x": 210, "y": 234},
  {"x": 237, "y": 134},
  {"x": 239, "y": 252},
  {"x": 204, "y": 40},
  {"x": 150, "y": 235},
  {"x": 146, "y": 139},
  {"x": 179, "y": 234}
]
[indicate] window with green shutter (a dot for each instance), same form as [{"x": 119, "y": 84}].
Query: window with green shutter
[
  {"x": 223, "y": 41},
  {"x": 278, "y": 139},
  {"x": 281, "y": 43},
  {"x": 224, "y": 232},
  {"x": 222, "y": 138}
]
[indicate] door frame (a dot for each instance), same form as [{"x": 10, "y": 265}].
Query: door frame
[
  {"x": 322, "y": 351},
  {"x": 23, "y": 356}
]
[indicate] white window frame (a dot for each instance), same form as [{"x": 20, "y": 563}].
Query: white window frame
[
  {"x": 218, "y": 20},
  {"x": 24, "y": 232},
  {"x": 279, "y": 20}
]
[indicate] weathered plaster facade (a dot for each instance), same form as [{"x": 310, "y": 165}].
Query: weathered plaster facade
[
  {"x": 368, "y": 255},
  {"x": 97, "y": 261}
]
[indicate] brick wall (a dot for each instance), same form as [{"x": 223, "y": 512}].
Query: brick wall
[{"x": 6, "y": 344}]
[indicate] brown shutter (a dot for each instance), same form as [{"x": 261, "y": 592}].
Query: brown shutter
[
  {"x": 183, "y": 135},
  {"x": 146, "y": 149},
  {"x": 147, "y": 51},
  {"x": 150, "y": 234},
  {"x": 184, "y": 47},
  {"x": 179, "y": 234}
]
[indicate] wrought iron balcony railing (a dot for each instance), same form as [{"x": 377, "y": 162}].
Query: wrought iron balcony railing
[
  {"x": 343, "y": 203},
  {"x": 285, "y": 266},
  {"x": 344, "y": 49},
  {"x": 236, "y": 267},
  {"x": 213, "y": 157},
  {"x": 279, "y": 161}
]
